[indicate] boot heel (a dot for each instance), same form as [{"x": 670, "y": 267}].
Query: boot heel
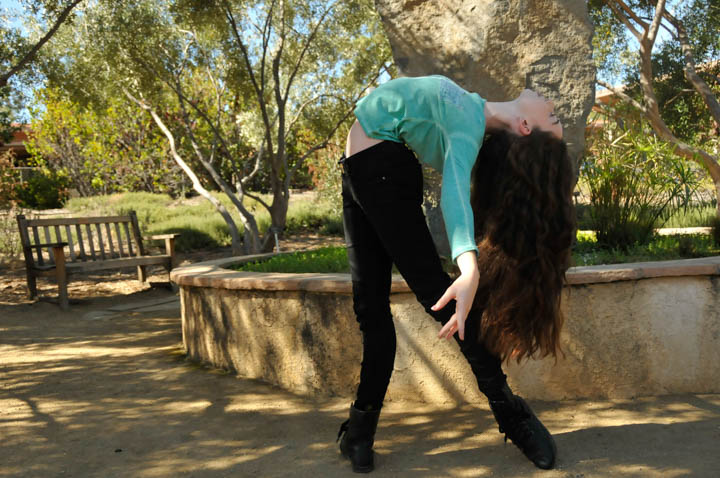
[
  {"x": 357, "y": 436},
  {"x": 518, "y": 422}
]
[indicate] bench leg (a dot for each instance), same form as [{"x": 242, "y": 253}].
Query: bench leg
[
  {"x": 63, "y": 293},
  {"x": 61, "y": 274},
  {"x": 142, "y": 273},
  {"x": 31, "y": 285},
  {"x": 173, "y": 286}
]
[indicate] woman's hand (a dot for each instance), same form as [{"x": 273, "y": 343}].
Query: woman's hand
[{"x": 463, "y": 291}]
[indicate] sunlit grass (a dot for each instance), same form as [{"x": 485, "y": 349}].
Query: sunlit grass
[
  {"x": 660, "y": 248},
  {"x": 325, "y": 260},
  {"x": 585, "y": 253}
]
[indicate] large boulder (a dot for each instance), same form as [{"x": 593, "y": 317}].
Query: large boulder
[{"x": 497, "y": 48}]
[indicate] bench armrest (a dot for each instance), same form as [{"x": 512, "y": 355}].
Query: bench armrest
[
  {"x": 158, "y": 237},
  {"x": 169, "y": 244},
  {"x": 49, "y": 244}
]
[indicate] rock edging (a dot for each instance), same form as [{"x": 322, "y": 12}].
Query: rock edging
[{"x": 215, "y": 274}]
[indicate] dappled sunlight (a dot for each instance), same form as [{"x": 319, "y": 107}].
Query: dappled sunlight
[
  {"x": 655, "y": 410},
  {"x": 640, "y": 471},
  {"x": 116, "y": 397}
]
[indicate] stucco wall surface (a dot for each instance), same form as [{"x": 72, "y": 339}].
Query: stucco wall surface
[{"x": 630, "y": 330}]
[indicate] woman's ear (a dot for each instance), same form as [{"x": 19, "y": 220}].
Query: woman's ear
[{"x": 523, "y": 127}]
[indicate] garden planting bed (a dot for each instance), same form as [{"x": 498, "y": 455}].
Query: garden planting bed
[{"x": 631, "y": 330}]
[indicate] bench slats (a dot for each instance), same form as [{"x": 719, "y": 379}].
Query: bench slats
[
  {"x": 129, "y": 240},
  {"x": 101, "y": 246},
  {"x": 108, "y": 233},
  {"x": 119, "y": 239},
  {"x": 73, "y": 256},
  {"x": 136, "y": 233},
  {"x": 36, "y": 236},
  {"x": 81, "y": 243},
  {"x": 89, "y": 233},
  {"x": 48, "y": 239}
]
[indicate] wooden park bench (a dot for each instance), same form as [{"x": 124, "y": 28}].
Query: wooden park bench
[{"x": 91, "y": 243}]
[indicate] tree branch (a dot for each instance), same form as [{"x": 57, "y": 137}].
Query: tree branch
[
  {"x": 310, "y": 38},
  {"x": 690, "y": 69},
  {"x": 197, "y": 185},
  {"x": 177, "y": 89},
  {"x": 267, "y": 29},
  {"x": 624, "y": 18},
  {"x": 306, "y": 104},
  {"x": 259, "y": 89},
  {"x": 258, "y": 199},
  {"x": 323, "y": 144},
  {"x": 5, "y": 77},
  {"x": 655, "y": 25},
  {"x": 256, "y": 168},
  {"x": 623, "y": 96},
  {"x": 630, "y": 13}
]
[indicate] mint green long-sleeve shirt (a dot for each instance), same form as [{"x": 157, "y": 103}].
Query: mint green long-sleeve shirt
[{"x": 444, "y": 125}]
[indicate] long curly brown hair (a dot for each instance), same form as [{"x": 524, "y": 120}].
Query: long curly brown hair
[{"x": 525, "y": 223}]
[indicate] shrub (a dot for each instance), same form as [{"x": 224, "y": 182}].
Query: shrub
[
  {"x": 715, "y": 230},
  {"x": 45, "y": 189},
  {"x": 687, "y": 247},
  {"x": 636, "y": 183},
  {"x": 8, "y": 181},
  {"x": 326, "y": 176}
]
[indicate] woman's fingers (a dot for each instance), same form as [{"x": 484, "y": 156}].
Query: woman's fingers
[
  {"x": 461, "y": 327},
  {"x": 446, "y": 297},
  {"x": 448, "y": 329}
]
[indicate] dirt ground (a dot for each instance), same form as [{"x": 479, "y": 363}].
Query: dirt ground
[{"x": 101, "y": 392}]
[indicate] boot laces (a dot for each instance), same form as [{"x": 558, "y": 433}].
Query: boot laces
[{"x": 517, "y": 426}]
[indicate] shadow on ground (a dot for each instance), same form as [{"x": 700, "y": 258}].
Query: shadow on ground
[{"x": 88, "y": 394}]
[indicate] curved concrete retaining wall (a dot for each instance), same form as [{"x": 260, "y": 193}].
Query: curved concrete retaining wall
[{"x": 631, "y": 330}]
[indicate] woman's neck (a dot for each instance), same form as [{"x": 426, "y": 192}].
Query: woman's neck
[{"x": 500, "y": 114}]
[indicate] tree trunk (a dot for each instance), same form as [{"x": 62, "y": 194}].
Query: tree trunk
[{"x": 236, "y": 245}]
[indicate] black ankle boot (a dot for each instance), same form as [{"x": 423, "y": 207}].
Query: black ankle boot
[
  {"x": 358, "y": 436},
  {"x": 524, "y": 429}
]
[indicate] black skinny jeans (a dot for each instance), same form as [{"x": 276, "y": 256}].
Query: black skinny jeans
[{"x": 382, "y": 191}]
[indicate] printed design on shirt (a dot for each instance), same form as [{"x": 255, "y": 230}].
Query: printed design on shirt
[{"x": 452, "y": 93}]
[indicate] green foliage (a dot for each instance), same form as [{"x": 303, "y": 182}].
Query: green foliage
[
  {"x": 319, "y": 215},
  {"x": 7, "y": 115},
  {"x": 8, "y": 181},
  {"x": 702, "y": 214},
  {"x": 323, "y": 260},
  {"x": 101, "y": 151},
  {"x": 326, "y": 176},
  {"x": 230, "y": 78},
  {"x": 635, "y": 184},
  {"x": 611, "y": 51},
  {"x": 588, "y": 252},
  {"x": 715, "y": 231},
  {"x": 45, "y": 189}
]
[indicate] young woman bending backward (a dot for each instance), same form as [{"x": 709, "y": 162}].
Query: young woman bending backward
[{"x": 506, "y": 302}]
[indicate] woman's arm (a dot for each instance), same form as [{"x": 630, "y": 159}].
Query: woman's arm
[{"x": 463, "y": 291}]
